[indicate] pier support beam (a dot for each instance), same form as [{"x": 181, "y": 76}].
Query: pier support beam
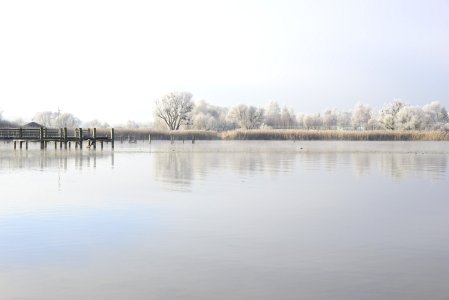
[
  {"x": 80, "y": 133},
  {"x": 41, "y": 137},
  {"x": 65, "y": 137},
  {"x": 112, "y": 138},
  {"x": 94, "y": 138}
]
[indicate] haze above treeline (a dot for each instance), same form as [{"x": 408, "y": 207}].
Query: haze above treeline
[{"x": 178, "y": 111}]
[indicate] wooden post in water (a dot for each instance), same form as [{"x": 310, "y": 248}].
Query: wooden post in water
[
  {"x": 193, "y": 139},
  {"x": 149, "y": 138},
  {"x": 80, "y": 135},
  {"x": 41, "y": 137},
  {"x": 101, "y": 143},
  {"x": 15, "y": 145},
  {"x": 20, "y": 144},
  {"x": 45, "y": 136},
  {"x": 26, "y": 144},
  {"x": 112, "y": 138},
  {"x": 65, "y": 137},
  {"x": 94, "y": 138}
]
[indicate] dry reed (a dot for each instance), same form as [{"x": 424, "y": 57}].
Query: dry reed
[
  {"x": 344, "y": 135},
  {"x": 279, "y": 134}
]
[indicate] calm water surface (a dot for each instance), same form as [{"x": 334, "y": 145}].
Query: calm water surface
[{"x": 226, "y": 220}]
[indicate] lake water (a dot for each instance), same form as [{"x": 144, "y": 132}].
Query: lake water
[{"x": 226, "y": 220}]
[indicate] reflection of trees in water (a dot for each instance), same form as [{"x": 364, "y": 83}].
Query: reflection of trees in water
[
  {"x": 174, "y": 168},
  {"x": 59, "y": 159},
  {"x": 396, "y": 165},
  {"x": 400, "y": 165},
  {"x": 362, "y": 163},
  {"x": 271, "y": 163},
  {"x": 178, "y": 169}
]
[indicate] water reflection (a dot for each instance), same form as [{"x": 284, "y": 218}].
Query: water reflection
[
  {"x": 47, "y": 160},
  {"x": 177, "y": 166},
  {"x": 273, "y": 220}
]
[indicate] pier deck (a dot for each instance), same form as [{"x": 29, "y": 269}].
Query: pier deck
[{"x": 62, "y": 136}]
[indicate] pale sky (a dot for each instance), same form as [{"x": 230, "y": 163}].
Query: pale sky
[{"x": 110, "y": 59}]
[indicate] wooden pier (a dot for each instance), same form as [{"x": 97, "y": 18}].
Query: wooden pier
[{"x": 59, "y": 136}]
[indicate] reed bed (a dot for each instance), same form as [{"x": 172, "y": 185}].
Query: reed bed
[
  {"x": 343, "y": 135},
  {"x": 278, "y": 134}
]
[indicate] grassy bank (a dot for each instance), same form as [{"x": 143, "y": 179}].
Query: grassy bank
[{"x": 280, "y": 134}]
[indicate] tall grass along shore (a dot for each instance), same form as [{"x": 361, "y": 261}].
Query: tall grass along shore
[{"x": 281, "y": 134}]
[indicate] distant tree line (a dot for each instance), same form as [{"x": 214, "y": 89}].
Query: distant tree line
[{"x": 176, "y": 110}]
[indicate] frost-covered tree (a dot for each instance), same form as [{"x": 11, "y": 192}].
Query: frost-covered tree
[
  {"x": 436, "y": 115},
  {"x": 330, "y": 117},
  {"x": 361, "y": 116},
  {"x": 388, "y": 114},
  {"x": 247, "y": 117},
  {"x": 300, "y": 120},
  {"x": 312, "y": 121},
  {"x": 410, "y": 118},
  {"x": 209, "y": 117},
  {"x": 272, "y": 114},
  {"x": 288, "y": 118},
  {"x": 344, "y": 119},
  {"x": 174, "y": 109},
  {"x": 132, "y": 124}
]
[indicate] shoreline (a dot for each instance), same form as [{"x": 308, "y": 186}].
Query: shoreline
[{"x": 280, "y": 135}]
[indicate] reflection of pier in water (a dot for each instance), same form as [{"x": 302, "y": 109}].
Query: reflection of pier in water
[{"x": 43, "y": 160}]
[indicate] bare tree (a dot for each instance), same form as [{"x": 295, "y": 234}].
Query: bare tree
[
  {"x": 247, "y": 117},
  {"x": 45, "y": 118},
  {"x": 6, "y": 123},
  {"x": 174, "y": 109},
  {"x": 67, "y": 120},
  {"x": 96, "y": 124},
  {"x": 54, "y": 119}
]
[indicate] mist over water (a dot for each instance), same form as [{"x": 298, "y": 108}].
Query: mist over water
[{"x": 226, "y": 220}]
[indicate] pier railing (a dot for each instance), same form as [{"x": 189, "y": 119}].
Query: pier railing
[{"x": 57, "y": 135}]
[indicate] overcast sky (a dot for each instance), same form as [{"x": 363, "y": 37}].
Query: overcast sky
[{"x": 111, "y": 59}]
